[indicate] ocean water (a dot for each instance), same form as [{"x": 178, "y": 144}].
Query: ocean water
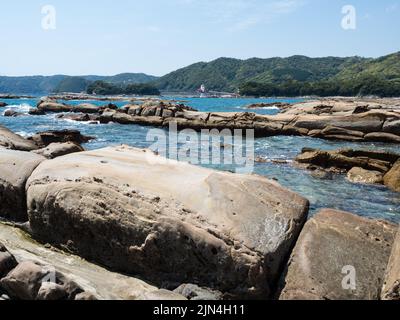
[{"x": 365, "y": 200}]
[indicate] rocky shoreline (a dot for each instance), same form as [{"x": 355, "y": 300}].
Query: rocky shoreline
[
  {"x": 332, "y": 119},
  {"x": 189, "y": 231},
  {"x": 369, "y": 167}
]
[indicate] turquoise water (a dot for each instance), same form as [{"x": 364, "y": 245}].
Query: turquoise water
[{"x": 337, "y": 193}]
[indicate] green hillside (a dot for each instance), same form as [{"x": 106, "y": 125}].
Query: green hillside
[
  {"x": 227, "y": 74},
  {"x": 296, "y": 75},
  {"x": 63, "y": 83}
]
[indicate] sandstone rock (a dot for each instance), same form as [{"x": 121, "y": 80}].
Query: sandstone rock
[
  {"x": 162, "y": 295},
  {"x": 329, "y": 131},
  {"x": 360, "y": 175},
  {"x": 391, "y": 288},
  {"x": 15, "y": 168},
  {"x": 51, "y": 291},
  {"x": 50, "y": 106},
  {"x": 95, "y": 280},
  {"x": 12, "y": 113},
  {"x": 36, "y": 112},
  {"x": 55, "y": 150},
  {"x": 382, "y": 137},
  {"x": 31, "y": 280},
  {"x": 85, "y": 296},
  {"x": 392, "y": 127},
  {"x": 166, "y": 221},
  {"x": 331, "y": 246},
  {"x": 13, "y": 141},
  {"x": 392, "y": 178},
  {"x": 86, "y": 108},
  {"x": 194, "y": 292},
  {"x": 24, "y": 281},
  {"x": 46, "y": 138},
  {"x": 342, "y": 160},
  {"x": 7, "y": 261},
  {"x": 107, "y": 116},
  {"x": 134, "y": 110},
  {"x": 83, "y": 117}
]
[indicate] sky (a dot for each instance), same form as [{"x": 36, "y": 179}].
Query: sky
[{"x": 107, "y": 37}]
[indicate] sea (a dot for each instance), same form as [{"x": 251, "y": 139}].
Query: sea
[{"x": 335, "y": 192}]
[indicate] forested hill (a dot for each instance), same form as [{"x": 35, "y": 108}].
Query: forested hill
[
  {"x": 226, "y": 74},
  {"x": 63, "y": 83}
]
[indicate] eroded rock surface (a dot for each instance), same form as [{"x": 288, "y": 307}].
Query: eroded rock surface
[
  {"x": 332, "y": 119},
  {"x": 361, "y": 166},
  {"x": 15, "y": 169},
  {"x": 339, "y": 256},
  {"x": 391, "y": 288},
  {"x": 10, "y": 140},
  {"x": 167, "y": 221},
  {"x": 55, "y": 150},
  {"x": 95, "y": 282}
]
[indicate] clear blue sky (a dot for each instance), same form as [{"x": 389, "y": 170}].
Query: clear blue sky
[{"x": 158, "y": 36}]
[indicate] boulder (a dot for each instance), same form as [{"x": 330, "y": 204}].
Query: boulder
[
  {"x": 166, "y": 220},
  {"x": 359, "y": 122},
  {"x": 3, "y": 104},
  {"x": 134, "y": 110},
  {"x": 24, "y": 282},
  {"x": 392, "y": 127},
  {"x": 10, "y": 140},
  {"x": 97, "y": 281},
  {"x": 342, "y": 160},
  {"x": 392, "y": 178},
  {"x": 360, "y": 175},
  {"x": 36, "y": 112},
  {"x": 15, "y": 168},
  {"x": 54, "y": 150},
  {"x": 31, "y": 280},
  {"x": 339, "y": 256},
  {"x": 86, "y": 108},
  {"x": 51, "y": 106},
  {"x": 382, "y": 137},
  {"x": 12, "y": 113},
  {"x": 334, "y": 131},
  {"x": 391, "y": 287},
  {"x": 45, "y": 138},
  {"x": 7, "y": 261},
  {"x": 194, "y": 292},
  {"x": 81, "y": 117}
]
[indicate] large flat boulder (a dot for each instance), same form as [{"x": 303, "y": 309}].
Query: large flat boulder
[
  {"x": 10, "y": 140},
  {"x": 391, "y": 288},
  {"x": 15, "y": 169},
  {"x": 339, "y": 256},
  {"x": 168, "y": 221}
]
